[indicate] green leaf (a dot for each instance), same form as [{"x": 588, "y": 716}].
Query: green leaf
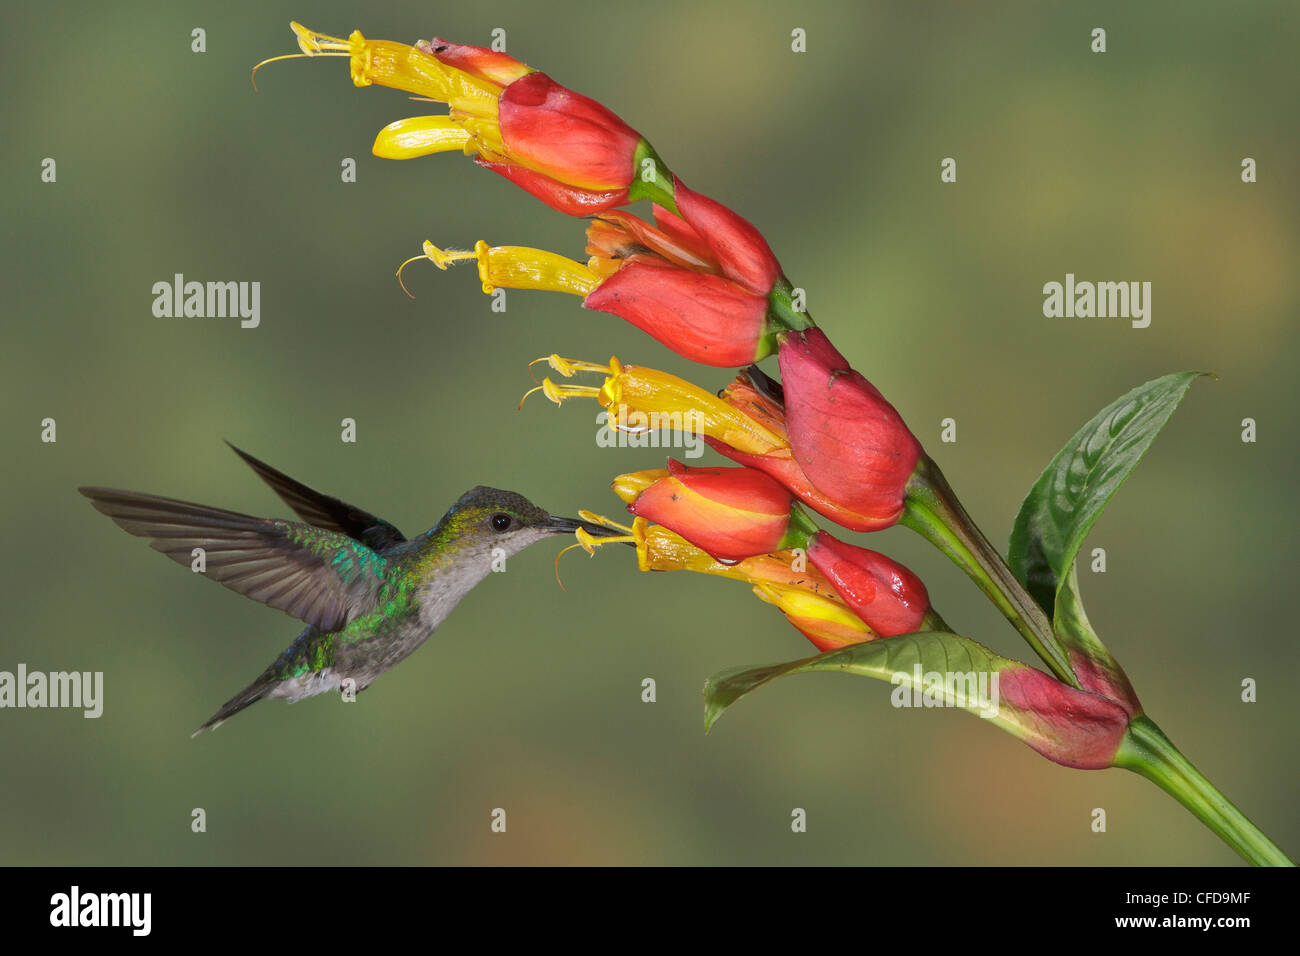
[
  {"x": 1070, "y": 494},
  {"x": 1071, "y": 727}
]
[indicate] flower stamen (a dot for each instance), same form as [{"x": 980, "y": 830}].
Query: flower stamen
[
  {"x": 315, "y": 44},
  {"x": 399, "y": 274},
  {"x": 558, "y": 393},
  {"x": 569, "y": 367},
  {"x": 592, "y": 518},
  {"x": 288, "y": 56},
  {"x": 589, "y": 542},
  {"x": 445, "y": 257}
]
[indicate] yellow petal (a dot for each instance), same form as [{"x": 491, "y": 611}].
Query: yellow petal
[
  {"x": 664, "y": 402},
  {"x": 679, "y": 405},
  {"x": 403, "y": 67},
  {"x": 815, "y": 614},
  {"x": 519, "y": 267},
  {"x": 629, "y": 486},
  {"x": 420, "y": 136}
]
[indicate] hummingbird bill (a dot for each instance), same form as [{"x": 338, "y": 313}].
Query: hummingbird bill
[{"x": 369, "y": 597}]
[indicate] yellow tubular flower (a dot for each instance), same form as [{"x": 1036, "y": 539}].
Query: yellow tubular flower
[
  {"x": 665, "y": 399},
  {"x": 517, "y": 267},
  {"x": 629, "y": 486},
  {"x": 405, "y": 68},
  {"x": 471, "y": 127},
  {"x": 828, "y": 624},
  {"x": 659, "y": 549},
  {"x": 806, "y": 597}
]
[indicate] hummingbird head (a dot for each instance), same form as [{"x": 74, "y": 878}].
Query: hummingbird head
[{"x": 487, "y": 519}]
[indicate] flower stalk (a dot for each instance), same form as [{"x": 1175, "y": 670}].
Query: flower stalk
[
  {"x": 1147, "y": 752},
  {"x": 932, "y": 509}
]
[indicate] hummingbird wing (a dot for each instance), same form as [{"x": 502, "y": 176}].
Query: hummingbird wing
[
  {"x": 325, "y": 511},
  {"x": 322, "y": 577}
]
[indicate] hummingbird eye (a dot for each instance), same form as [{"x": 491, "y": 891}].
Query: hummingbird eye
[{"x": 501, "y": 522}]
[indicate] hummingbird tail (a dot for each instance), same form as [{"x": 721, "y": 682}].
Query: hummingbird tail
[{"x": 249, "y": 695}]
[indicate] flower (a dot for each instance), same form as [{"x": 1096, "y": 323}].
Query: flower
[
  {"x": 702, "y": 317},
  {"x": 516, "y": 267},
  {"x": 883, "y": 593},
  {"x": 660, "y": 401},
  {"x": 730, "y": 513},
  {"x": 667, "y": 285},
  {"x": 781, "y": 578},
  {"x": 828, "y": 624},
  {"x": 778, "y": 460},
  {"x": 742, "y": 423},
  {"x": 565, "y": 148},
  {"x": 1075, "y": 728},
  {"x": 565, "y": 135},
  {"x": 739, "y": 249},
  {"x": 846, "y": 438},
  {"x": 681, "y": 285},
  {"x": 479, "y": 61}
]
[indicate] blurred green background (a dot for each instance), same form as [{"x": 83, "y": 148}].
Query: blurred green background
[{"x": 1122, "y": 166}]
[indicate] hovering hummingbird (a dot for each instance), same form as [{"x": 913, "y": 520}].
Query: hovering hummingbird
[{"x": 369, "y": 596}]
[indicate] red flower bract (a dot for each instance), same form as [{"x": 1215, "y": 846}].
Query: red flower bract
[
  {"x": 570, "y": 200},
  {"x": 888, "y": 597},
  {"x": 730, "y": 513},
  {"x": 1075, "y": 728},
  {"x": 702, "y": 317},
  {"x": 849, "y": 441},
  {"x": 480, "y": 61},
  {"x": 566, "y": 135},
  {"x": 739, "y": 248},
  {"x": 780, "y": 464}
]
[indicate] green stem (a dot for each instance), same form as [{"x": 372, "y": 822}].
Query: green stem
[
  {"x": 933, "y": 511},
  {"x": 651, "y": 178},
  {"x": 934, "y": 622},
  {"x": 800, "y": 530},
  {"x": 781, "y": 313},
  {"x": 1147, "y": 751}
]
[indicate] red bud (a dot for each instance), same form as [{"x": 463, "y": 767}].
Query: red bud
[
  {"x": 1071, "y": 727},
  {"x": 780, "y": 464},
  {"x": 849, "y": 441},
  {"x": 888, "y": 597},
  {"x": 566, "y": 135},
  {"x": 737, "y": 246},
  {"x": 702, "y": 317},
  {"x": 570, "y": 200},
  {"x": 730, "y": 513}
]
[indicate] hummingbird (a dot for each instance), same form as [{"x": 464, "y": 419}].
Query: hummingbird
[{"x": 368, "y": 595}]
